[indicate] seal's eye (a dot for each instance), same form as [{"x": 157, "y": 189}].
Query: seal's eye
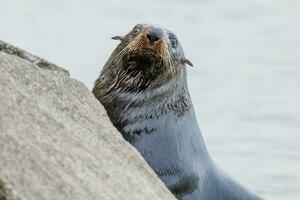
[
  {"x": 136, "y": 30},
  {"x": 173, "y": 41}
]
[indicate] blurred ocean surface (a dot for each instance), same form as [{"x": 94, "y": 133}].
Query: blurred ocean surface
[{"x": 245, "y": 84}]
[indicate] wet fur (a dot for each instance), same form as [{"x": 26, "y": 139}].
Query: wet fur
[{"x": 155, "y": 114}]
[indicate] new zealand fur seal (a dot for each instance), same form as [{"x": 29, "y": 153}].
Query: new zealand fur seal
[{"x": 143, "y": 87}]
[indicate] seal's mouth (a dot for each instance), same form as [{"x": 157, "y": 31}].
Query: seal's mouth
[
  {"x": 140, "y": 68},
  {"x": 143, "y": 58}
]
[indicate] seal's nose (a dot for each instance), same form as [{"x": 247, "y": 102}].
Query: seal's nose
[{"x": 153, "y": 34}]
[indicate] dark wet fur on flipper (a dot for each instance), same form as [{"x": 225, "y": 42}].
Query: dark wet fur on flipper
[
  {"x": 184, "y": 186},
  {"x": 144, "y": 89}
]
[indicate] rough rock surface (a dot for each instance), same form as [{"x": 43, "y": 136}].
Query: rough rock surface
[{"x": 56, "y": 141}]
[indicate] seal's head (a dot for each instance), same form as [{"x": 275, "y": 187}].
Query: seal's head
[{"x": 147, "y": 57}]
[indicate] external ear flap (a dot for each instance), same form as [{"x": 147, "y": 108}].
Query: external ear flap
[
  {"x": 186, "y": 61},
  {"x": 117, "y": 38}
]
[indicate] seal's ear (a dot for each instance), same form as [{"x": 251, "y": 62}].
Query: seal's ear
[
  {"x": 186, "y": 61},
  {"x": 117, "y": 38}
]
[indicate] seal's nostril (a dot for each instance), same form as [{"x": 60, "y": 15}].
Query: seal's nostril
[
  {"x": 152, "y": 37},
  {"x": 154, "y": 34}
]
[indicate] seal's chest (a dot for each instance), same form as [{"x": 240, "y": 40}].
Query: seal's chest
[{"x": 155, "y": 138}]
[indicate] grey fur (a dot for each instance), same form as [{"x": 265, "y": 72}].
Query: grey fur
[{"x": 160, "y": 123}]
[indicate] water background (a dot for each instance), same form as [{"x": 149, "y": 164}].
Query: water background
[{"x": 245, "y": 84}]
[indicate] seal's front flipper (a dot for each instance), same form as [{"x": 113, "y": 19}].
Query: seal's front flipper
[{"x": 184, "y": 186}]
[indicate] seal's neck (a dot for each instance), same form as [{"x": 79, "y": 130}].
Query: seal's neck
[
  {"x": 167, "y": 108},
  {"x": 171, "y": 96}
]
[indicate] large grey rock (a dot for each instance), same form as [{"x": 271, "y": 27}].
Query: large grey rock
[{"x": 56, "y": 141}]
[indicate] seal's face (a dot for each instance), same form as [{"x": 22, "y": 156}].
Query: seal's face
[{"x": 146, "y": 56}]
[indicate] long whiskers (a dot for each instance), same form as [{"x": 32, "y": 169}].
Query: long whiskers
[{"x": 132, "y": 75}]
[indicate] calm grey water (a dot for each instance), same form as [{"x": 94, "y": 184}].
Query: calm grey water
[{"x": 245, "y": 84}]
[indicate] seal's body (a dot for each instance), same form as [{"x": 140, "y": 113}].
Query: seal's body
[{"x": 143, "y": 87}]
